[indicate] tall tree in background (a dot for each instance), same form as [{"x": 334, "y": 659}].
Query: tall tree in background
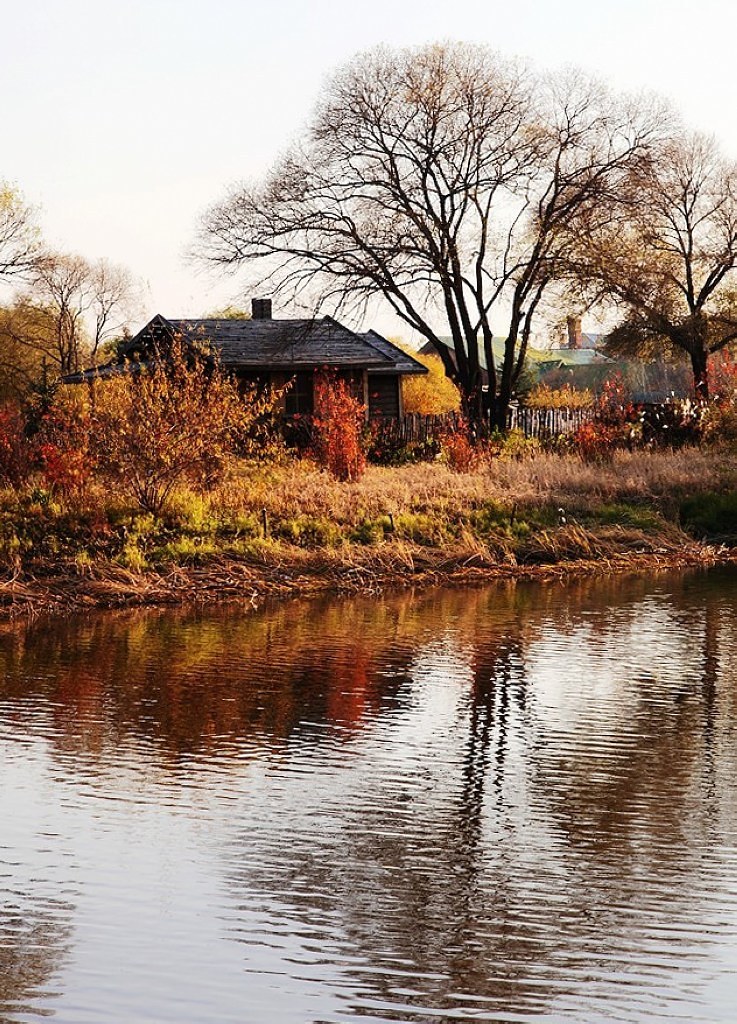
[
  {"x": 86, "y": 304},
  {"x": 66, "y": 315},
  {"x": 665, "y": 253},
  {"x": 391, "y": 194},
  {"x": 20, "y": 239},
  {"x": 441, "y": 179}
]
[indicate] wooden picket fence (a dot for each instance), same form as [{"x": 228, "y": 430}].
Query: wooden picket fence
[
  {"x": 546, "y": 423},
  {"x": 414, "y": 428}
]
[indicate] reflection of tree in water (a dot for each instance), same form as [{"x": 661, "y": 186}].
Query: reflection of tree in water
[
  {"x": 34, "y": 942},
  {"x": 410, "y": 868},
  {"x": 496, "y": 885},
  {"x": 638, "y": 788}
]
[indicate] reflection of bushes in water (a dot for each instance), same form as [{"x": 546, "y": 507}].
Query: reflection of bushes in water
[
  {"x": 34, "y": 942},
  {"x": 193, "y": 682},
  {"x": 200, "y": 681}
]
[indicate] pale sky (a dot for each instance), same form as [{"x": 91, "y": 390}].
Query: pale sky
[{"x": 122, "y": 121}]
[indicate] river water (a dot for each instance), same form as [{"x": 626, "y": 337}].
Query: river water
[{"x": 507, "y": 804}]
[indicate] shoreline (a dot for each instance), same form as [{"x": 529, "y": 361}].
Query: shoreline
[{"x": 67, "y": 589}]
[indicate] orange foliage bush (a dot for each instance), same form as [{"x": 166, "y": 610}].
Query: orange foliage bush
[
  {"x": 720, "y": 418},
  {"x": 615, "y": 425},
  {"x": 176, "y": 420},
  {"x": 462, "y": 456},
  {"x": 338, "y": 428},
  {"x": 723, "y": 377}
]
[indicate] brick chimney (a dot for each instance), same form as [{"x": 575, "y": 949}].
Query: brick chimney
[
  {"x": 575, "y": 335},
  {"x": 261, "y": 309}
]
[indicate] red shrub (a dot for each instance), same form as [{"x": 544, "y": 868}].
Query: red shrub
[
  {"x": 616, "y": 423},
  {"x": 15, "y": 451},
  {"x": 595, "y": 440},
  {"x": 723, "y": 376},
  {"x": 456, "y": 444},
  {"x": 338, "y": 428},
  {"x": 63, "y": 445},
  {"x": 613, "y": 406}
]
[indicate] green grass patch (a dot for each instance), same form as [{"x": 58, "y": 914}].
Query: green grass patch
[
  {"x": 710, "y": 514},
  {"x": 639, "y": 517},
  {"x": 309, "y": 532}
]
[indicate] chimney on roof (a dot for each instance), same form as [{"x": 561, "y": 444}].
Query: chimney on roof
[
  {"x": 261, "y": 309},
  {"x": 575, "y": 335}
]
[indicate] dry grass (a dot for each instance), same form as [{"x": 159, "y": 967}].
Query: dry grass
[
  {"x": 554, "y": 480},
  {"x": 297, "y": 573},
  {"x": 413, "y": 525}
]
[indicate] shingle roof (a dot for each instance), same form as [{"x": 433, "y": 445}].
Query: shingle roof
[
  {"x": 264, "y": 344},
  {"x": 401, "y": 361},
  {"x": 283, "y": 344}
]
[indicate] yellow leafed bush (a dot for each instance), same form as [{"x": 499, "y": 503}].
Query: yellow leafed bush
[
  {"x": 433, "y": 394},
  {"x": 566, "y": 397}
]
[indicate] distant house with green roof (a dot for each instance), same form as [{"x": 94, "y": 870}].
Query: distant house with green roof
[{"x": 582, "y": 365}]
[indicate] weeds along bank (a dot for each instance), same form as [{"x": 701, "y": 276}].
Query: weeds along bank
[{"x": 292, "y": 527}]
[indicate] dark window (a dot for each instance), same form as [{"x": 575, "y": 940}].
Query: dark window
[
  {"x": 383, "y": 396},
  {"x": 300, "y": 398}
]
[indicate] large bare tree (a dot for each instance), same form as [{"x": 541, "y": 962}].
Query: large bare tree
[
  {"x": 590, "y": 142},
  {"x": 439, "y": 178},
  {"x": 665, "y": 254}
]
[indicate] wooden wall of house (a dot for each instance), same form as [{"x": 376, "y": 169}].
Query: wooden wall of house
[
  {"x": 299, "y": 397},
  {"x": 384, "y": 400}
]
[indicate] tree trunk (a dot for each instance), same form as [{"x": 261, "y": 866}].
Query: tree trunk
[
  {"x": 472, "y": 407},
  {"x": 500, "y": 413},
  {"x": 700, "y": 375},
  {"x": 506, "y": 382}
]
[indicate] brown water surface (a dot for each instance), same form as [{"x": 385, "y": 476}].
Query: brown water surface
[{"x": 508, "y": 804}]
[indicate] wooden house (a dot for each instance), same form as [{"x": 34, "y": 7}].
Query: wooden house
[{"x": 266, "y": 351}]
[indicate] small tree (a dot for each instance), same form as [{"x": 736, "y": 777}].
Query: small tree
[
  {"x": 176, "y": 418},
  {"x": 338, "y": 426},
  {"x": 20, "y": 239},
  {"x": 80, "y": 306}
]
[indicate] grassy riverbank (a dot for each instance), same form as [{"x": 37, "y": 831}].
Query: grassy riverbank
[{"x": 292, "y": 529}]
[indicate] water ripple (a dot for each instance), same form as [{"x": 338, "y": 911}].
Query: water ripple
[{"x": 491, "y": 805}]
